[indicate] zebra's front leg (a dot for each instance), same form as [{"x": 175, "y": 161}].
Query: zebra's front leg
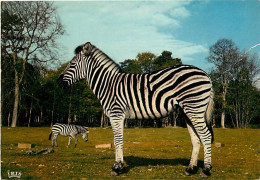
[
  {"x": 117, "y": 124},
  {"x": 54, "y": 140},
  {"x": 69, "y": 141},
  {"x": 193, "y": 167},
  {"x": 76, "y": 140}
]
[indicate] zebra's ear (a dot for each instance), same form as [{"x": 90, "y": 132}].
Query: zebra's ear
[{"x": 87, "y": 48}]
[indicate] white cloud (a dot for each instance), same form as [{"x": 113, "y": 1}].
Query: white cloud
[
  {"x": 180, "y": 12},
  {"x": 122, "y": 29}
]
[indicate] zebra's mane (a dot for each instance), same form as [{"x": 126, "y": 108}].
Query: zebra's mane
[{"x": 107, "y": 61}]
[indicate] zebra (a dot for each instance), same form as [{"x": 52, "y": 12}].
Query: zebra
[
  {"x": 70, "y": 130},
  {"x": 146, "y": 96}
]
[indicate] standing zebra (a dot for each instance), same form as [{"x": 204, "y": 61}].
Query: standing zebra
[
  {"x": 68, "y": 130},
  {"x": 146, "y": 96}
]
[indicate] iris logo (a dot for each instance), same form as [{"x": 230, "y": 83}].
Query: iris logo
[{"x": 14, "y": 174}]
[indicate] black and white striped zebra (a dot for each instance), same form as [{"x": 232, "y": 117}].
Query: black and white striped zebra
[
  {"x": 70, "y": 130},
  {"x": 146, "y": 96}
]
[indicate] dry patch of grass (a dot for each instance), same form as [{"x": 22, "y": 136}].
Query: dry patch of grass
[{"x": 148, "y": 153}]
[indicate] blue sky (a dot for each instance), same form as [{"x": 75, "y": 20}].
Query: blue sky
[{"x": 186, "y": 28}]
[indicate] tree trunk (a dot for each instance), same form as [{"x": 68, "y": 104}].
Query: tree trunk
[
  {"x": 223, "y": 114},
  {"x": 174, "y": 117},
  {"x": 74, "y": 118},
  {"x": 52, "y": 111},
  {"x": 126, "y": 123},
  {"x": 174, "y": 122},
  {"x": 17, "y": 83},
  {"x": 69, "y": 119},
  {"x": 139, "y": 123},
  {"x": 8, "y": 120},
  {"x": 41, "y": 117},
  {"x": 237, "y": 116},
  {"x": 30, "y": 115},
  {"x": 16, "y": 99},
  {"x": 102, "y": 120}
]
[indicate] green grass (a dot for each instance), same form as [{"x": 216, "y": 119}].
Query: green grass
[{"x": 148, "y": 154}]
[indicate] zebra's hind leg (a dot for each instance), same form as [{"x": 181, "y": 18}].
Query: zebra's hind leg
[
  {"x": 205, "y": 136},
  {"x": 117, "y": 123},
  {"x": 193, "y": 167}
]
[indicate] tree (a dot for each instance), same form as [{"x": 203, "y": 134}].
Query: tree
[
  {"x": 131, "y": 66},
  {"x": 242, "y": 96},
  {"x": 145, "y": 61},
  {"x": 29, "y": 32},
  {"x": 7, "y": 82},
  {"x": 224, "y": 55},
  {"x": 165, "y": 60},
  {"x": 234, "y": 80}
]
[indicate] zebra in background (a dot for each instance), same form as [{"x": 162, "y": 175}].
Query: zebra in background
[
  {"x": 146, "y": 96},
  {"x": 68, "y": 130}
]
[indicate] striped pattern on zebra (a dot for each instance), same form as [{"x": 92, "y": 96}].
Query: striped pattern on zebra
[
  {"x": 70, "y": 130},
  {"x": 146, "y": 96}
]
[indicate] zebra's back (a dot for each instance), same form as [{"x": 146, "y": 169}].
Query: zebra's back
[{"x": 63, "y": 129}]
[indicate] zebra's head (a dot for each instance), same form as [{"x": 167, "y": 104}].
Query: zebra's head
[
  {"x": 76, "y": 69},
  {"x": 85, "y": 135}
]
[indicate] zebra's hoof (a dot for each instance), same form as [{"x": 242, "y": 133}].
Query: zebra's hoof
[
  {"x": 191, "y": 170},
  {"x": 205, "y": 172},
  {"x": 117, "y": 168}
]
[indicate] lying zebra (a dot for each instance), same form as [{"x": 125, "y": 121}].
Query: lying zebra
[{"x": 68, "y": 130}]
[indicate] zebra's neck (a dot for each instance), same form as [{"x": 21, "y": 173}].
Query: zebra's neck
[{"x": 101, "y": 73}]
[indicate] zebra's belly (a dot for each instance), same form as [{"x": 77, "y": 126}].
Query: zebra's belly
[
  {"x": 64, "y": 134},
  {"x": 147, "y": 113},
  {"x": 131, "y": 114}
]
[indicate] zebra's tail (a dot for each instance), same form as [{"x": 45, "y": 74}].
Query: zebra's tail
[
  {"x": 50, "y": 135},
  {"x": 209, "y": 113}
]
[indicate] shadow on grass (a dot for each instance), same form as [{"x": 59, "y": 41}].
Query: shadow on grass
[{"x": 134, "y": 161}]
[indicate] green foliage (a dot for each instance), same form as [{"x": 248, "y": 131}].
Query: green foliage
[
  {"x": 233, "y": 82},
  {"x": 30, "y": 86},
  {"x": 165, "y": 60},
  {"x": 29, "y": 35},
  {"x": 77, "y": 102},
  {"x": 147, "y": 62},
  {"x": 43, "y": 102},
  {"x": 131, "y": 66},
  {"x": 10, "y": 25}
]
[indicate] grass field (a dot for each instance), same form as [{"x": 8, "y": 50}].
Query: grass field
[{"x": 148, "y": 154}]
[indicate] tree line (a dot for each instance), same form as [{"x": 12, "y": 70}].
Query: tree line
[
  {"x": 30, "y": 95},
  {"x": 235, "y": 78}
]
